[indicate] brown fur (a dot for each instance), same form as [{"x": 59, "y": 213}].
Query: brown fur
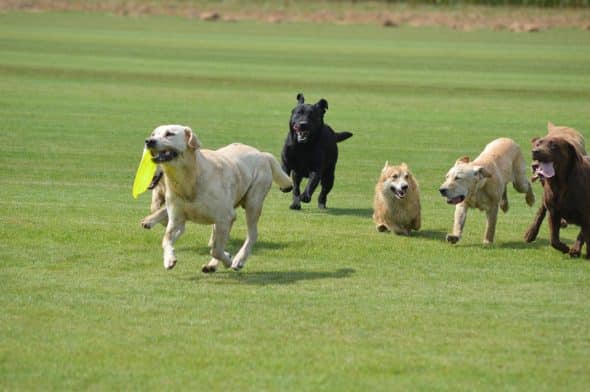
[
  {"x": 575, "y": 138},
  {"x": 399, "y": 214},
  {"x": 567, "y": 193}
]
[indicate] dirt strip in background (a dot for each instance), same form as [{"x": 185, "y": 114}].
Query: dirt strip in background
[{"x": 517, "y": 19}]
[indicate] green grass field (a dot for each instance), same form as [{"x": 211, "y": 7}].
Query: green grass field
[{"x": 325, "y": 302}]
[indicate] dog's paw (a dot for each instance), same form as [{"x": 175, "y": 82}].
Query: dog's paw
[
  {"x": 295, "y": 206},
  {"x": 207, "y": 269},
  {"x": 322, "y": 206},
  {"x": 563, "y": 223},
  {"x": 453, "y": 239},
  {"x": 305, "y": 198},
  {"x": 146, "y": 224},
  {"x": 237, "y": 266},
  {"x": 575, "y": 252},
  {"x": 381, "y": 228},
  {"x": 530, "y": 236},
  {"x": 170, "y": 263}
]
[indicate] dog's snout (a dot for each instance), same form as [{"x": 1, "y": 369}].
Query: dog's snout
[
  {"x": 443, "y": 191},
  {"x": 405, "y": 187},
  {"x": 150, "y": 143}
]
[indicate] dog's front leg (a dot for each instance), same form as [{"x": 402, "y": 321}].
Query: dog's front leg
[
  {"x": 296, "y": 178},
  {"x": 554, "y": 227},
  {"x": 153, "y": 219},
  {"x": 459, "y": 223},
  {"x": 492, "y": 218},
  {"x": 314, "y": 180},
  {"x": 576, "y": 249},
  {"x": 174, "y": 230},
  {"x": 533, "y": 230}
]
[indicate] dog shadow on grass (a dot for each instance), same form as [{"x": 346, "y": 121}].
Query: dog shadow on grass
[
  {"x": 540, "y": 243},
  {"x": 361, "y": 212},
  {"x": 234, "y": 245},
  {"x": 265, "y": 278},
  {"x": 430, "y": 234}
]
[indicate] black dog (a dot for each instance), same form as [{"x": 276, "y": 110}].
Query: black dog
[{"x": 310, "y": 151}]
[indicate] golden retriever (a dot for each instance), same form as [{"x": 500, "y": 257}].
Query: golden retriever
[
  {"x": 482, "y": 183},
  {"x": 396, "y": 205},
  {"x": 207, "y": 186}
]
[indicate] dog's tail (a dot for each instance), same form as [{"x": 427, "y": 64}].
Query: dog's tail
[
  {"x": 278, "y": 175},
  {"x": 341, "y": 136}
]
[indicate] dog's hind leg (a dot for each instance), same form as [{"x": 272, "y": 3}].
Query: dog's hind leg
[
  {"x": 504, "y": 202},
  {"x": 253, "y": 207}
]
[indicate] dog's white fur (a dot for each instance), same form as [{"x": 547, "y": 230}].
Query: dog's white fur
[
  {"x": 206, "y": 186},
  {"x": 482, "y": 184},
  {"x": 396, "y": 204}
]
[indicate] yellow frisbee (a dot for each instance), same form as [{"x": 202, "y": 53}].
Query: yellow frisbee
[{"x": 144, "y": 175}]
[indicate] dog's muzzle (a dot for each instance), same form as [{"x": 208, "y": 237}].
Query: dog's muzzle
[
  {"x": 451, "y": 200},
  {"x": 301, "y": 133},
  {"x": 160, "y": 156},
  {"x": 400, "y": 193}
]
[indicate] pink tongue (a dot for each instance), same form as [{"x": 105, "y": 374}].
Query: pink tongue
[{"x": 546, "y": 169}]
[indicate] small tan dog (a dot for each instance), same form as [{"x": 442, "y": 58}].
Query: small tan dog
[
  {"x": 482, "y": 184},
  {"x": 396, "y": 205},
  {"x": 207, "y": 186}
]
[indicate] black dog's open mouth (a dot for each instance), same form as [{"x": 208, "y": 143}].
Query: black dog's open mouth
[
  {"x": 163, "y": 156},
  {"x": 455, "y": 200},
  {"x": 301, "y": 134}
]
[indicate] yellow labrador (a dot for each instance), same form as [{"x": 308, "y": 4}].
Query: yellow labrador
[
  {"x": 207, "y": 186},
  {"x": 482, "y": 184}
]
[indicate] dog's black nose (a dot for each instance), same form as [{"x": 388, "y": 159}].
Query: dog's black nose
[
  {"x": 404, "y": 187},
  {"x": 150, "y": 143},
  {"x": 443, "y": 191}
]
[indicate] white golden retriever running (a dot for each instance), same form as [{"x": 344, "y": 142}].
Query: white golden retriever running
[
  {"x": 482, "y": 184},
  {"x": 207, "y": 186}
]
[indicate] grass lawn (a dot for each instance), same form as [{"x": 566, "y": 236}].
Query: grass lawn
[{"x": 325, "y": 302}]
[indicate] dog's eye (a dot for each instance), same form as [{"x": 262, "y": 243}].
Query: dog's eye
[
  {"x": 395, "y": 176},
  {"x": 552, "y": 146},
  {"x": 457, "y": 178},
  {"x": 406, "y": 177},
  {"x": 168, "y": 134}
]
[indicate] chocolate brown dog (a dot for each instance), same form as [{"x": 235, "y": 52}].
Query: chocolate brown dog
[
  {"x": 566, "y": 184},
  {"x": 572, "y": 136}
]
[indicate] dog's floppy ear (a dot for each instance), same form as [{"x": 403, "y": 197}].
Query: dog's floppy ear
[
  {"x": 385, "y": 166},
  {"x": 300, "y": 98},
  {"x": 322, "y": 104},
  {"x": 463, "y": 160},
  {"x": 481, "y": 172},
  {"x": 575, "y": 152},
  {"x": 191, "y": 139}
]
